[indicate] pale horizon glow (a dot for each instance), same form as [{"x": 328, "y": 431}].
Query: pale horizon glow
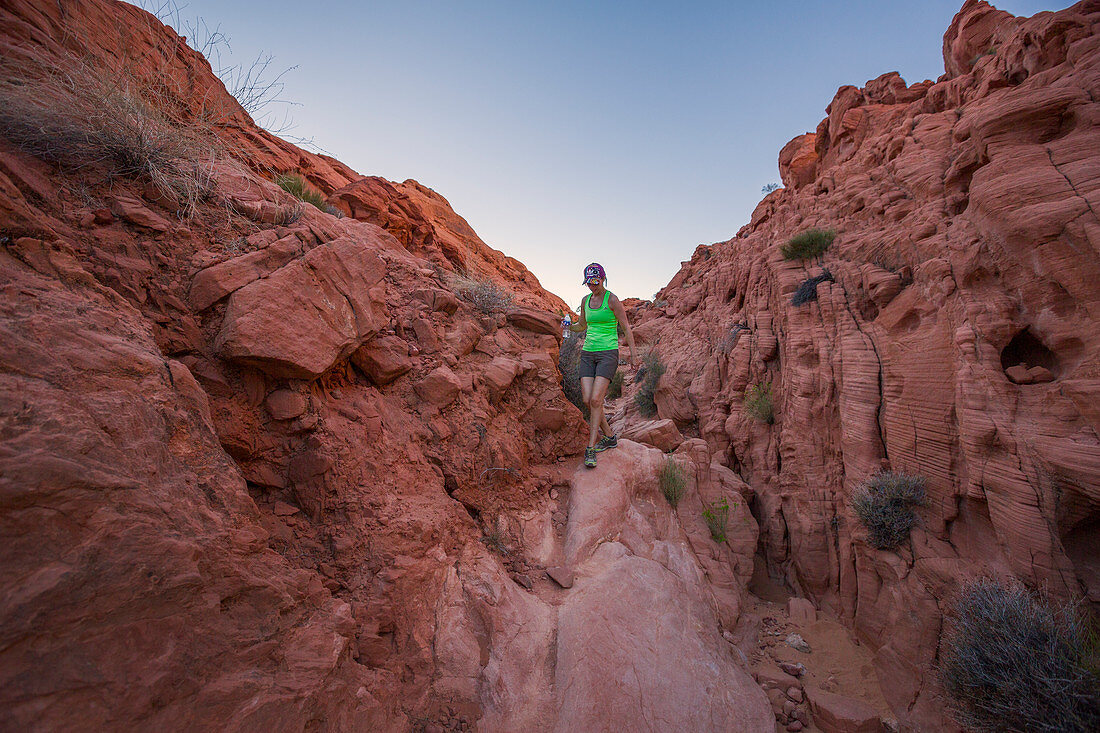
[{"x": 570, "y": 132}]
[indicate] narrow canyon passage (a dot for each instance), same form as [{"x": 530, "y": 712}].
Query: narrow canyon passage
[{"x": 285, "y": 447}]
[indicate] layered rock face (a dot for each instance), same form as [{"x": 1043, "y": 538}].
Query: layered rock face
[
  {"x": 953, "y": 335},
  {"x": 249, "y": 456},
  {"x": 266, "y": 467}
]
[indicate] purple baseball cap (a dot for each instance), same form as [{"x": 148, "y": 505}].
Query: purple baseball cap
[{"x": 593, "y": 270}]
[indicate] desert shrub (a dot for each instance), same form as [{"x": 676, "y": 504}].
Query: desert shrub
[
  {"x": 885, "y": 504},
  {"x": 82, "y": 116},
  {"x": 768, "y": 188},
  {"x": 496, "y": 543},
  {"x": 484, "y": 295},
  {"x": 717, "y": 515},
  {"x": 298, "y": 187},
  {"x": 648, "y": 375},
  {"x": 807, "y": 291},
  {"x": 673, "y": 481},
  {"x": 569, "y": 361},
  {"x": 289, "y": 215},
  {"x": 758, "y": 402},
  {"x": 728, "y": 341},
  {"x": 1011, "y": 661},
  {"x": 257, "y": 86},
  {"x": 615, "y": 389},
  {"x": 807, "y": 245}
]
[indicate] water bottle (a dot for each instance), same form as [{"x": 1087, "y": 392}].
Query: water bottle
[{"x": 565, "y": 324}]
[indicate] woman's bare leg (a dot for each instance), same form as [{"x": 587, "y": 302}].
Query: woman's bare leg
[{"x": 595, "y": 408}]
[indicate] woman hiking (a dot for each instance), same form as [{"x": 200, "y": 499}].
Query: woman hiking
[{"x": 601, "y": 314}]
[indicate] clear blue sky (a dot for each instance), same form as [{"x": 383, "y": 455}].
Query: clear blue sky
[{"x": 567, "y": 132}]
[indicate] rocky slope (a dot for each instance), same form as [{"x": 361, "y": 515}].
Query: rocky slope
[
  {"x": 956, "y": 338},
  {"x": 264, "y": 466}
]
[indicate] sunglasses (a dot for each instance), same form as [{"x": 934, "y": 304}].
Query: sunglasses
[{"x": 593, "y": 281}]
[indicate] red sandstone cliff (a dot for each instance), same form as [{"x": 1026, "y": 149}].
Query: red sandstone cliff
[
  {"x": 249, "y": 455},
  {"x": 968, "y": 243},
  {"x": 268, "y": 467}
]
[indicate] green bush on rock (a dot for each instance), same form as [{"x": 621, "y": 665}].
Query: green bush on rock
[
  {"x": 673, "y": 481},
  {"x": 808, "y": 244},
  {"x": 297, "y": 186},
  {"x": 758, "y": 402},
  {"x": 717, "y": 516}
]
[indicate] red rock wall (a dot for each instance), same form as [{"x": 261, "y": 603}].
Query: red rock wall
[
  {"x": 249, "y": 458},
  {"x": 968, "y": 242}
]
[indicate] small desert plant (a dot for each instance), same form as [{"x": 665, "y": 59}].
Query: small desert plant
[
  {"x": 289, "y": 215},
  {"x": 1011, "y": 661},
  {"x": 297, "y": 186},
  {"x": 615, "y": 389},
  {"x": 673, "y": 481},
  {"x": 728, "y": 341},
  {"x": 768, "y": 188},
  {"x": 758, "y": 402},
  {"x": 649, "y": 374},
  {"x": 496, "y": 543},
  {"x": 885, "y": 504},
  {"x": 807, "y": 245},
  {"x": 717, "y": 515},
  {"x": 807, "y": 291},
  {"x": 484, "y": 295}
]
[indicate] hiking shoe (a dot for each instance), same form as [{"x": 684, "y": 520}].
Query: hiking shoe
[
  {"x": 590, "y": 457},
  {"x": 607, "y": 441}
]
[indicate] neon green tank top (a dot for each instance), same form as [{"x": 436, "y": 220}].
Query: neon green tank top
[{"x": 603, "y": 326}]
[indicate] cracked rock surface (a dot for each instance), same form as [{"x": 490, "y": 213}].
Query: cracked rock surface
[{"x": 967, "y": 254}]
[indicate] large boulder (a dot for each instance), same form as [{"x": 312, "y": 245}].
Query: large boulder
[
  {"x": 383, "y": 359},
  {"x": 798, "y": 161},
  {"x": 217, "y": 281},
  {"x": 839, "y": 714},
  {"x": 499, "y": 374},
  {"x": 535, "y": 321},
  {"x": 660, "y": 434},
  {"x": 304, "y": 317},
  {"x": 440, "y": 387}
]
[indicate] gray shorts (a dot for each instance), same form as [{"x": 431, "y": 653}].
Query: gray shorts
[{"x": 599, "y": 363}]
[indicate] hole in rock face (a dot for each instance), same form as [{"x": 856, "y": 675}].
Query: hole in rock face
[
  {"x": 1077, "y": 514},
  {"x": 1080, "y": 545},
  {"x": 1026, "y": 348}
]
